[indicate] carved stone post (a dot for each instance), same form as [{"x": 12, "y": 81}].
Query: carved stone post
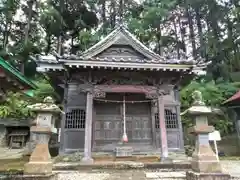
[
  {"x": 40, "y": 160},
  {"x": 88, "y": 130},
  {"x": 204, "y": 162},
  {"x": 163, "y": 131}
]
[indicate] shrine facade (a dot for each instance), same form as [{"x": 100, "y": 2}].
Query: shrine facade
[{"x": 119, "y": 89}]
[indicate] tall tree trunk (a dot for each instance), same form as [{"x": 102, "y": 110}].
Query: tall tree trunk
[
  {"x": 200, "y": 33},
  {"x": 235, "y": 65},
  {"x": 218, "y": 55},
  {"x": 113, "y": 14},
  {"x": 103, "y": 14},
  {"x": 5, "y": 35},
  {"x": 49, "y": 43},
  {"x": 192, "y": 34},
  {"x": 182, "y": 32},
  {"x": 121, "y": 4},
  {"x": 176, "y": 37},
  {"x": 159, "y": 40},
  {"x": 59, "y": 44},
  {"x": 29, "y": 19},
  {"x": 72, "y": 44},
  {"x": 27, "y": 31},
  {"x": 60, "y": 37}
]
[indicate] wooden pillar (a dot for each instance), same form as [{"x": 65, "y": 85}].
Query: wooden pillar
[
  {"x": 154, "y": 134},
  {"x": 88, "y": 129},
  {"x": 163, "y": 131},
  {"x": 63, "y": 120},
  {"x": 181, "y": 138}
]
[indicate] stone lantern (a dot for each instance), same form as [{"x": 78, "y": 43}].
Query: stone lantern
[
  {"x": 204, "y": 161},
  {"x": 40, "y": 159}
]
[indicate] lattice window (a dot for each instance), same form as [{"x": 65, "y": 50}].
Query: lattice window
[
  {"x": 75, "y": 119},
  {"x": 171, "y": 119},
  {"x": 157, "y": 123}
]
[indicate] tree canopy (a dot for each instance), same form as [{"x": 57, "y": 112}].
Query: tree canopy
[{"x": 200, "y": 29}]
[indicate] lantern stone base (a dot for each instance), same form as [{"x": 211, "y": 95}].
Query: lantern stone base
[
  {"x": 206, "y": 166},
  {"x": 204, "y": 160},
  {"x": 40, "y": 161},
  {"x": 38, "y": 168},
  {"x": 190, "y": 175},
  {"x": 40, "y": 154}
]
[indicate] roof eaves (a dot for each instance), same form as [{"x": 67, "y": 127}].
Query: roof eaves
[
  {"x": 233, "y": 98},
  {"x": 8, "y": 67}
]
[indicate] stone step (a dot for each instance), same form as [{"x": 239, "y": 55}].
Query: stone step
[
  {"x": 122, "y": 165},
  {"x": 74, "y": 175},
  {"x": 166, "y": 175},
  {"x": 136, "y": 158}
]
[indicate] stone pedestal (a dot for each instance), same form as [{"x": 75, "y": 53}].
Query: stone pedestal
[
  {"x": 40, "y": 162},
  {"x": 205, "y": 164},
  {"x": 191, "y": 175},
  {"x": 203, "y": 157}
]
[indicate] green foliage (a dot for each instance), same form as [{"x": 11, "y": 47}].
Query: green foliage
[
  {"x": 15, "y": 105},
  {"x": 44, "y": 90},
  {"x": 214, "y": 94},
  {"x": 211, "y": 28}
]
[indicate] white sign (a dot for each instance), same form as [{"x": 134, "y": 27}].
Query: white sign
[
  {"x": 59, "y": 134},
  {"x": 214, "y": 136}
]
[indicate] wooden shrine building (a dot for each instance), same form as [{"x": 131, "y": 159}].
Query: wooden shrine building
[
  {"x": 12, "y": 80},
  {"x": 233, "y": 103},
  {"x": 118, "y": 90}
]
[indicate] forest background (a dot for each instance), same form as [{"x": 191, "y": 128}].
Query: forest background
[{"x": 199, "y": 29}]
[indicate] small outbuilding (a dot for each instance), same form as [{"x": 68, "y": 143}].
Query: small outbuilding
[{"x": 14, "y": 133}]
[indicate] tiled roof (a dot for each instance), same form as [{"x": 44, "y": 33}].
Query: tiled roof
[{"x": 120, "y": 37}]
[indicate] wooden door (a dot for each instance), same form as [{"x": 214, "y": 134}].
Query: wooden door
[
  {"x": 107, "y": 126},
  {"x": 108, "y": 123},
  {"x": 138, "y": 121}
]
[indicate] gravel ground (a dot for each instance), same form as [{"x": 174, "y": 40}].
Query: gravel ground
[
  {"x": 82, "y": 176},
  {"x": 232, "y": 167},
  {"x": 6, "y": 153}
]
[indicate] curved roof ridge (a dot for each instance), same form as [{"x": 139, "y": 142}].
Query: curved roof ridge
[
  {"x": 119, "y": 32},
  {"x": 92, "y": 48},
  {"x": 133, "y": 37}
]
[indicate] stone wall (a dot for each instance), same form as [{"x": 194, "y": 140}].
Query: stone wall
[{"x": 3, "y": 133}]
